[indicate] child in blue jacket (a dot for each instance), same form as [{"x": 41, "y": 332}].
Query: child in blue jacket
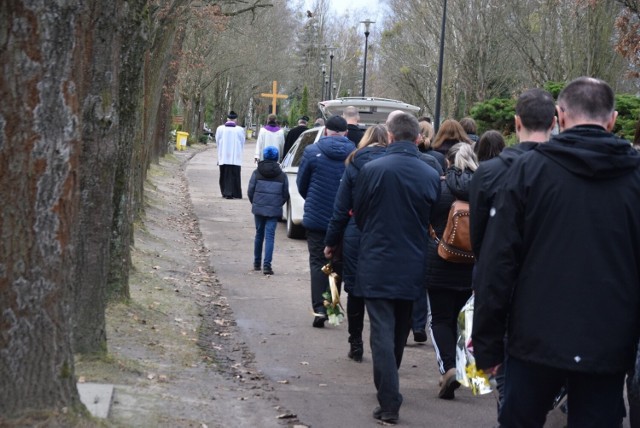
[{"x": 268, "y": 192}]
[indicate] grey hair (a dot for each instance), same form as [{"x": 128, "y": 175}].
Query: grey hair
[{"x": 461, "y": 156}]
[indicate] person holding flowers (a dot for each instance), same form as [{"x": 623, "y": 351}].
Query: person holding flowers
[{"x": 342, "y": 229}]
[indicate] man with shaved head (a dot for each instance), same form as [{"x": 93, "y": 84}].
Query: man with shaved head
[{"x": 352, "y": 116}]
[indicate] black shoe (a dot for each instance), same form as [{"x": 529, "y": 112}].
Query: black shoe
[
  {"x": 256, "y": 266},
  {"x": 318, "y": 321},
  {"x": 388, "y": 417},
  {"x": 356, "y": 350},
  {"x": 267, "y": 270},
  {"x": 419, "y": 336}
]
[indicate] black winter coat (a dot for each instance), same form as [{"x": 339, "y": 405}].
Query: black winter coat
[
  {"x": 484, "y": 185},
  {"x": 560, "y": 266},
  {"x": 291, "y": 138},
  {"x": 441, "y": 273},
  {"x": 354, "y": 133}
]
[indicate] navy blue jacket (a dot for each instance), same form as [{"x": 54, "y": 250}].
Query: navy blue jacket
[
  {"x": 342, "y": 226},
  {"x": 560, "y": 266},
  {"x": 268, "y": 189},
  {"x": 318, "y": 179},
  {"x": 394, "y": 196}
]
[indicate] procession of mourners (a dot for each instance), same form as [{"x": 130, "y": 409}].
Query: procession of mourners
[{"x": 520, "y": 255}]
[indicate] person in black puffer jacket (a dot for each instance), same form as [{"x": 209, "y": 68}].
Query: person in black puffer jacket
[
  {"x": 449, "y": 284},
  {"x": 268, "y": 192}
]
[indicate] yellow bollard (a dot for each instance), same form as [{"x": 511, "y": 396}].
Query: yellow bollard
[{"x": 181, "y": 140}]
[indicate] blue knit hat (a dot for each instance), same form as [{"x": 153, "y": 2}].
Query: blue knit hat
[{"x": 270, "y": 153}]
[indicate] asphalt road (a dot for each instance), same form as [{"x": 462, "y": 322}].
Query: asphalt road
[{"x": 308, "y": 367}]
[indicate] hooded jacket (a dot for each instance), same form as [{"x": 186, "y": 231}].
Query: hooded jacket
[
  {"x": 268, "y": 189},
  {"x": 484, "y": 185},
  {"x": 318, "y": 179},
  {"x": 560, "y": 265}
]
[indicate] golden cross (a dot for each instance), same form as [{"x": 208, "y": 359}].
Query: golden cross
[{"x": 274, "y": 97}]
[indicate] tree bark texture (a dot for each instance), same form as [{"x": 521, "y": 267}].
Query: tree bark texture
[
  {"x": 160, "y": 80},
  {"x": 97, "y": 73},
  {"x": 158, "y": 123},
  {"x": 39, "y": 156},
  {"x": 133, "y": 29}
]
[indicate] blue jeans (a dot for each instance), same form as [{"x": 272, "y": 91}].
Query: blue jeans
[
  {"x": 390, "y": 322},
  {"x": 265, "y": 232}
]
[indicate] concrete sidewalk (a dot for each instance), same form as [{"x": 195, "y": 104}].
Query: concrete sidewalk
[{"x": 308, "y": 367}]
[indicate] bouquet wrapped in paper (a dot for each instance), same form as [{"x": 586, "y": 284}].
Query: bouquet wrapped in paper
[
  {"x": 331, "y": 297},
  {"x": 466, "y": 371}
]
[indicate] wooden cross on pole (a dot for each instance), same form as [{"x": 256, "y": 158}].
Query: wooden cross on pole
[{"x": 274, "y": 97}]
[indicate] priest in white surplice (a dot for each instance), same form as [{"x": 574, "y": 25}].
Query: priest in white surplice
[{"x": 230, "y": 139}]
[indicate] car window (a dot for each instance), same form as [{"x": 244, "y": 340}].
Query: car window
[{"x": 305, "y": 139}]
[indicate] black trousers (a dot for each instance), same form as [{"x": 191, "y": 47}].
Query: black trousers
[
  {"x": 230, "y": 182},
  {"x": 594, "y": 400},
  {"x": 355, "y": 318},
  {"x": 445, "y": 306},
  {"x": 319, "y": 280}
]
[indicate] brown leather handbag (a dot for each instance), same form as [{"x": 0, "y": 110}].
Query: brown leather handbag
[{"x": 455, "y": 244}]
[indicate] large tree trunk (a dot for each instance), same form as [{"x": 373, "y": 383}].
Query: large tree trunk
[
  {"x": 99, "y": 95},
  {"x": 39, "y": 155},
  {"x": 161, "y": 120},
  {"x": 160, "y": 80},
  {"x": 133, "y": 28}
]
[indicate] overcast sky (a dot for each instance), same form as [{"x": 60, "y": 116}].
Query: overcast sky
[{"x": 371, "y": 8}]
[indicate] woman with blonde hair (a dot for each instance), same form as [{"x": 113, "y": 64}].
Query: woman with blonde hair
[
  {"x": 449, "y": 284},
  {"x": 342, "y": 229},
  {"x": 449, "y": 133},
  {"x": 424, "y": 145},
  {"x": 425, "y": 136}
]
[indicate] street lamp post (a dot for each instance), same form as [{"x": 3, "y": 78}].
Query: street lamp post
[
  {"x": 436, "y": 119},
  {"x": 366, "y": 23},
  {"x": 333, "y": 93},
  {"x": 331, "y": 52},
  {"x": 324, "y": 71},
  {"x": 326, "y": 89}
]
